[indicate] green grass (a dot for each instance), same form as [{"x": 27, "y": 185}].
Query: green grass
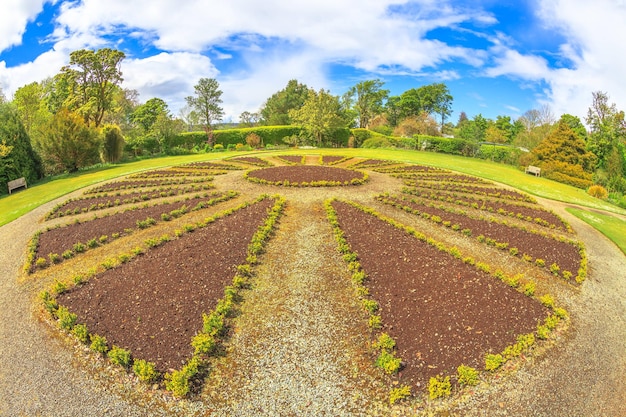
[
  {"x": 23, "y": 201},
  {"x": 610, "y": 226}
]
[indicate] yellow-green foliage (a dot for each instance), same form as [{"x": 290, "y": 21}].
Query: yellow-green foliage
[
  {"x": 598, "y": 191},
  {"x": 119, "y": 356},
  {"x": 145, "y": 371},
  {"x": 439, "y": 387},
  {"x": 388, "y": 362},
  {"x": 397, "y": 394},
  {"x": 493, "y": 362},
  {"x": 467, "y": 375}
]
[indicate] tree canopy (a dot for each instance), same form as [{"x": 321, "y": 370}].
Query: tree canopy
[
  {"x": 368, "y": 97},
  {"x": 320, "y": 115},
  {"x": 276, "y": 109},
  {"x": 207, "y": 103}
]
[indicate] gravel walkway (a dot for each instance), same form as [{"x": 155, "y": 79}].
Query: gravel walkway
[{"x": 299, "y": 368}]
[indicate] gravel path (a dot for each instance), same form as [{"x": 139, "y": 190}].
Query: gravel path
[{"x": 299, "y": 367}]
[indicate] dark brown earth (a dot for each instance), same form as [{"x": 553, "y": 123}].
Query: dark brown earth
[
  {"x": 331, "y": 159},
  {"x": 292, "y": 159},
  {"x": 539, "y": 246},
  {"x": 306, "y": 173},
  {"x": 153, "y": 305},
  {"x": 58, "y": 240},
  {"x": 442, "y": 312},
  {"x": 477, "y": 190},
  {"x": 139, "y": 183},
  {"x": 251, "y": 160}
]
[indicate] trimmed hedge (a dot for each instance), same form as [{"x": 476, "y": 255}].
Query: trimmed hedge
[{"x": 272, "y": 135}]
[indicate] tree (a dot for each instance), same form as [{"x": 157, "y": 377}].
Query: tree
[
  {"x": 68, "y": 143},
  {"x": 17, "y": 157},
  {"x": 607, "y": 127},
  {"x": 248, "y": 119},
  {"x": 393, "y": 110},
  {"x": 207, "y": 103},
  {"x": 575, "y": 124},
  {"x": 368, "y": 99},
  {"x": 112, "y": 144},
  {"x": 276, "y": 109},
  {"x": 145, "y": 115},
  {"x": 436, "y": 98},
  {"x": 422, "y": 124},
  {"x": 410, "y": 103},
  {"x": 29, "y": 101},
  {"x": 320, "y": 115},
  {"x": 189, "y": 117},
  {"x": 91, "y": 78}
]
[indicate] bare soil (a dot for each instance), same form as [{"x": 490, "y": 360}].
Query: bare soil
[{"x": 299, "y": 174}]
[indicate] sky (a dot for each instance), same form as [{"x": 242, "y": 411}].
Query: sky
[{"x": 497, "y": 57}]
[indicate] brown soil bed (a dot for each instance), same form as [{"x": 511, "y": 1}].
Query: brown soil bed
[
  {"x": 373, "y": 163},
  {"x": 292, "y": 159},
  {"x": 60, "y": 239},
  {"x": 211, "y": 165},
  {"x": 298, "y": 174},
  {"x": 82, "y": 205},
  {"x": 170, "y": 172},
  {"x": 441, "y": 312},
  {"x": 251, "y": 160},
  {"x": 332, "y": 159},
  {"x": 153, "y": 305},
  {"x": 142, "y": 183},
  {"x": 447, "y": 177},
  {"x": 564, "y": 254},
  {"x": 410, "y": 168},
  {"x": 476, "y": 190},
  {"x": 512, "y": 209}
]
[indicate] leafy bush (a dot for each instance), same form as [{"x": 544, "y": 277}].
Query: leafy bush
[
  {"x": 439, "y": 387},
  {"x": 397, "y": 394},
  {"x": 493, "y": 362},
  {"x": 598, "y": 191},
  {"x": 467, "y": 375},
  {"x": 98, "y": 344},
  {"x": 388, "y": 362},
  {"x": 81, "y": 333},
  {"x": 145, "y": 371},
  {"x": 119, "y": 356},
  {"x": 67, "y": 320}
]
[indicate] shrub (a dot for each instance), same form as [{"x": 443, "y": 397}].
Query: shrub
[
  {"x": 203, "y": 343},
  {"x": 547, "y": 300},
  {"x": 67, "y": 320},
  {"x": 397, "y": 394},
  {"x": 67, "y": 254},
  {"x": 493, "y": 362},
  {"x": 385, "y": 342},
  {"x": 467, "y": 375},
  {"x": 388, "y": 362},
  {"x": 78, "y": 247},
  {"x": 375, "y": 322},
  {"x": 253, "y": 140},
  {"x": 54, "y": 258},
  {"x": 145, "y": 371},
  {"x": 529, "y": 288},
  {"x": 98, "y": 344},
  {"x": 119, "y": 356},
  {"x": 81, "y": 333},
  {"x": 439, "y": 387},
  {"x": 598, "y": 191}
]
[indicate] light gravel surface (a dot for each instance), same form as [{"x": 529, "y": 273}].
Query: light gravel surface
[{"x": 304, "y": 346}]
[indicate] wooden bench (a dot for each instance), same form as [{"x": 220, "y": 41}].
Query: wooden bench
[
  {"x": 20, "y": 182},
  {"x": 536, "y": 171}
]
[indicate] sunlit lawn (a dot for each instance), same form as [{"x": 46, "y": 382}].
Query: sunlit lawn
[{"x": 612, "y": 227}]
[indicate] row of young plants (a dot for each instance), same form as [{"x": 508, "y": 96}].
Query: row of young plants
[
  {"x": 536, "y": 214},
  {"x": 476, "y": 190},
  {"x": 322, "y": 183},
  {"x": 372, "y": 163},
  {"x": 333, "y": 159},
  {"x": 517, "y": 240},
  {"x": 384, "y": 345},
  {"x": 448, "y": 177},
  {"x": 215, "y": 323},
  {"x": 410, "y": 168},
  {"x": 134, "y": 184},
  {"x": 173, "y": 172},
  {"x": 292, "y": 159},
  {"x": 441, "y": 385},
  {"x": 80, "y": 205},
  {"x": 251, "y": 160},
  {"x": 211, "y": 165},
  {"x": 124, "y": 225}
]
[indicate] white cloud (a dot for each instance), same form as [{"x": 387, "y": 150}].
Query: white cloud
[
  {"x": 512, "y": 63},
  {"x": 45, "y": 65},
  {"x": 14, "y": 16}
]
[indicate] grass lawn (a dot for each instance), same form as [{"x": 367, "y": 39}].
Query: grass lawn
[
  {"x": 23, "y": 201},
  {"x": 612, "y": 227}
]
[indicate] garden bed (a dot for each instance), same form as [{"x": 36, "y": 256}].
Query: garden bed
[
  {"x": 306, "y": 175},
  {"x": 441, "y": 312}
]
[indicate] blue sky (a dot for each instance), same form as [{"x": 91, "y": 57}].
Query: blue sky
[{"x": 497, "y": 57}]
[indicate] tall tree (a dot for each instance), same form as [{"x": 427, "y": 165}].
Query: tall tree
[
  {"x": 17, "y": 157},
  {"x": 276, "y": 109},
  {"x": 410, "y": 103},
  {"x": 207, "y": 103},
  {"x": 69, "y": 143},
  {"x": 320, "y": 115},
  {"x": 248, "y": 119},
  {"x": 607, "y": 127},
  {"x": 112, "y": 144},
  {"x": 29, "y": 101},
  {"x": 146, "y": 114},
  {"x": 368, "y": 97},
  {"x": 93, "y": 77},
  {"x": 436, "y": 99},
  {"x": 393, "y": 110}
]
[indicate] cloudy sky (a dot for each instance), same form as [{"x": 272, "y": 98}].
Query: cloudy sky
[{"x": 498, "y": 57}]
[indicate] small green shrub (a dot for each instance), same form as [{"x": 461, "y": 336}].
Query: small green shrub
[
  {"x": 41, "y": 263},
  {"x": 493, "y": 362},
  {"x": 375, "y": 322},
  {"x": 98, "y": 344},
  {"x": 467, "y": 375},
  {"x": 103, "y": 239},
  {"x": 67, "y": 320},
  {"x": 400, "y": 393},
  {"x": 529, "y": 288},
  {"x": 145, "y": 371},
  {"x": 92, "y": 243},
  {"x": 67, "y": 254},
  {"x": 119, "y": 356},
  {"x": 439, "y": 387},
  {"x": 81, "y": 333},
  {"x": 388, "y": 362},
  {"x": 370, "y": 305},
  {"x": 385, "y": 342},
  {"x": 78, "y": 248},
  {"x": 203, "y": 343},
  {"x": 547, "y": 300},
  {"x": 54, "y": 258}
]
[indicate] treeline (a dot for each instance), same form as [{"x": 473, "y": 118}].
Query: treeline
[{"x": 83, "y": 116}]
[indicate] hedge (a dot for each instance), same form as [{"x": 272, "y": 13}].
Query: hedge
[{"x": 270, "y": 135}]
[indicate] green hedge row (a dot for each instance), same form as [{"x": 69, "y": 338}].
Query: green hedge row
[{"x": 272, "y": 135}]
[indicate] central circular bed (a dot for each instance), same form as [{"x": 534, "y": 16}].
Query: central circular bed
[{"x": 307, "y": 175}]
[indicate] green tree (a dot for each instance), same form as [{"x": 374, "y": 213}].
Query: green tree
[
  {"x": 436, "y": 99},
  {"x": 393, "y": 110},
  {"x": 17, "y": 157},
  {"x": 68, "y": 143},
  {"x": 112, "y": 143},
  {"x": 575, "y": 124},
  {"x": 29, "y": 101},
  {"x": 368, "y": 99},
  {"x": 207, "y": 103},
  {"x": 320, "y": 115},
  {"x": 248, "y": 119},
  {"x": 410, "y": 103},
  {"x": 145, "y": 115},
  {"x": 607, "y": 127},
  {"x": 92, "y": 78},
  {"x": 276, "y": 109}
]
